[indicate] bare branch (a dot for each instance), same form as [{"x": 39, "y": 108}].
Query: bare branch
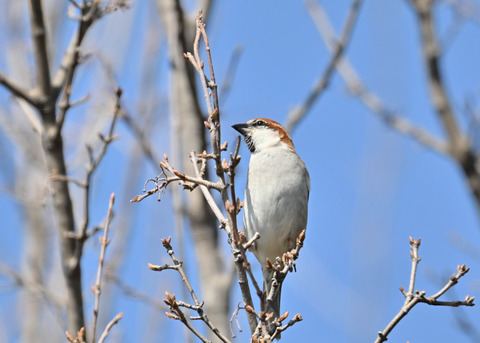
[
  {"x": 293, "y": 321},
  {"x": 97, "y": 288},
  {"x": 179, "y": 315},
  {"x": 414, "y": 297},
  {"x": 466, "y": 9},
  {"x": 460, "y": 148},
  {"x": 42, "y": 67},
  {"x": 140, "y": 136},
  {"x": 132, "y": 292},
  {"x": 17, "y": 91},
  {"x": 188, "y": 182},
  {"x": 356, "y": 87},
  {"x": 296, "y": 114},
  {"x": 187, "y": 123},
  {"x": 438, "y": 94},
  {"x": 415, "y": 260},
  {"x": 65, "y": 178},
  {"x": 210, "y": 200},
  {"x": 230, "y": 73},
  {"x": 63, "y": 79},
  {"x": 281, "y": 267},
  {"x": 213, "y": 124},
  {"x": 91, "y": 168},
  {"x": 114, "y": 321},
  {"x": 171, "y": 300},
  {"x": 31, "y": 115},
  {"x": 35, "y": 287}
]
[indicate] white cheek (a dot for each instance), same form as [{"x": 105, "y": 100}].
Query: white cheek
[{"x": 265, "y": 138}]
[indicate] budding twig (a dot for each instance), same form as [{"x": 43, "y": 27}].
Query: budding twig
[
  {"x": 175, "y": 305},
  {"x": 413, "y": 297}
]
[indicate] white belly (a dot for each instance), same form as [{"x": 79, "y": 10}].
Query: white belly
[{"x": 278, "y": 214}]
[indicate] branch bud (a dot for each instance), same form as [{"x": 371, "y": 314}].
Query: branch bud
[
  {"x": 81, "y": 335},
  {"x": 283, "y": 317},
  {"x": 172, "y": 316},
  {"x": 249, "y": 309},
  {"x": 214, "y": 115},
  {"x": 298, "y": 317},
  {"x": 69, "y": 337},
  {"x": 229, "y": 207},
  {"x": 225, "y": 165}
]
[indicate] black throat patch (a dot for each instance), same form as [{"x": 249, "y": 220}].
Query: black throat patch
[{"x": 251, "y": 146}]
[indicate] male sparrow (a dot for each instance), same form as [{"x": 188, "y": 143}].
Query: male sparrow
[{"x": 276, "y": 195}]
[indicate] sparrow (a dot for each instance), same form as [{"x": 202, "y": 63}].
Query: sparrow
[{"x": 276, "y": 196}]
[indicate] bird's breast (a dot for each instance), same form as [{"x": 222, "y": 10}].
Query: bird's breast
[{"x": 276, "y": 202}]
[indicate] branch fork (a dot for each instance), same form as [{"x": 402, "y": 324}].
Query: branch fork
[{"x": 413, "y": 297}]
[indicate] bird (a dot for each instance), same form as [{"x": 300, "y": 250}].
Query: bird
[{"x": 276, "y": 196}]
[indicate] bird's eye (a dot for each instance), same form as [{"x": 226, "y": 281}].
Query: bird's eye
[{"x": 259, "y": 123}]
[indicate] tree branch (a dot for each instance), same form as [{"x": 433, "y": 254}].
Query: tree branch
[
  {"x": 414, "y": 297},
  {"x": 114, "y": 321},
  {"x": 90, "y": 11},
  {"x": 94, "y": 162},
  {"x": 174, "y": 305},
  {"x": 42, "y": 68},
  {"x": 18, "y": 91},
  {"x": 438, "y": 94},
  {"x": 459, "y": 145},
  {"x": 356, "y": 87},
  {"x": 297, "y": 113},
  {"x": 213, "y": 124},
  {"x": 97, "y": 288},
  {"x": 188, "y": 126}
]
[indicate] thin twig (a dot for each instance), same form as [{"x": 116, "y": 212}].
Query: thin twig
[
  {"x": 174, "y": 304},
  {"x": 114, "y": 321},
  {"x": 230, "y": 73},
  {"x": 65, "y": 178},
  {"x": 210, "y": 200},
  {"x": 132, "y": 292},
  {"x": 31, "y": 115},
  {"x": 415, "y": 260},
  {"x": 297, "y": 318},
  {"x": 63, "y": 79},
  {"x": 358, "y": 89},
  {"x": 296, "y": 114},
  {"x": 91, "y": 168},
  {"x": 38, "y": 289},
  {"x": 179, "y": 315},
  {"x": 97, "y": 288},
  {"x": 413, "y": 297}
]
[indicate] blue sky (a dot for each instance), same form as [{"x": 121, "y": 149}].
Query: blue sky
[{"x": 372, "y": 187}]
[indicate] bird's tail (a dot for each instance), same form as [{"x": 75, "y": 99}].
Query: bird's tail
[{"x": 272, "y": 306}]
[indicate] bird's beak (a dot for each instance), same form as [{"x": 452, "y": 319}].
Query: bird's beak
[{"x": 242, "y": 128}]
